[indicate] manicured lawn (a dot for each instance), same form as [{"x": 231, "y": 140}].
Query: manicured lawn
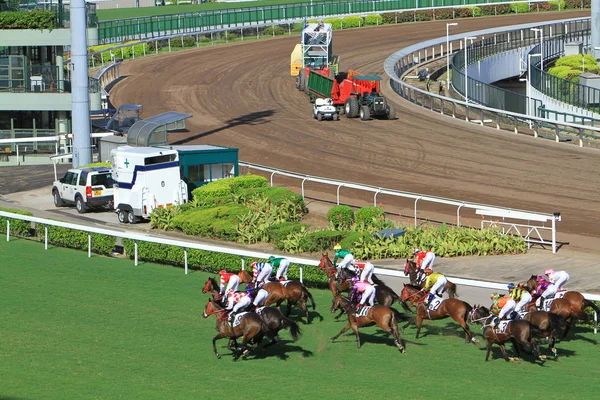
[
  {"x": 100, "y": 328},
  {"x": 120, "y": 13}
]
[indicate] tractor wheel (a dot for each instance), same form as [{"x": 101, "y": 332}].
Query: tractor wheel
[
  {"x": 319, "y": 117},
  {"x": 365, "y": 113},
  {"x": 302, "y": 81},
  {"x": 391, "y": 112},
  {"x": 351, "y": 107}
]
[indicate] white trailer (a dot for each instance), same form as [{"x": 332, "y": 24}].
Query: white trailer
[{"x": 145, "y": 178}]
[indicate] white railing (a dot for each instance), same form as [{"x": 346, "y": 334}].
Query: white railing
[
  {"x": 186, "y": 245},
  {"x": 533, "y": 234}
]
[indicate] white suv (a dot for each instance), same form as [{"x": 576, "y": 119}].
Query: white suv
[{"x": 85, "y": 188}]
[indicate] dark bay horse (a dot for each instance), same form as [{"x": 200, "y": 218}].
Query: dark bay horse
[
  {"x": 456, "y": 309},
  {"x": 295, "y": 293},
  {"x": 548, "y": 325},
  {"x": 384, "y": 317},
  {"x": 211, "y": 287},
  {"x": 410, "y": 269},
  {"x": 576, "y": 300},
  {"x": 327, "y": 266},
  {"x": 275, "y": 321},
  {"x": 519, "y": 332},
  {"x": 251, "y": 327}
]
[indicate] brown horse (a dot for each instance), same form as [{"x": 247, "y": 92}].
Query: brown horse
[
  {"x": 384, "y": 294},
  {"x": 548, "y": 325},
  {"x": 295, "y": 293},
  {"x": 327, "y": 266},
  {"x": 384, "y": 317},
  {"x": 211, "y": 287},
  {"x": 410, "y": 269},
  {"x": 519, "y": 332},
  {"x": 275, "y": 321},
  {"x": 456, "y": 309},
  {"x": 577, "y": 301},
  {"x": 251, "y": 327}
]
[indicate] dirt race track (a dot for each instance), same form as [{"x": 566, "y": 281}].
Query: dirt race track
[{"x": 242, "y": 95}]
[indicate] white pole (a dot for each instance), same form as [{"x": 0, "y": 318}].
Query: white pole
[
  {"x": 185, "y": 258},
  {"x": 135, "y": 252},
  {"x": 466, "y": 76},
  {"x": 89, "y": 245},
  {"x": 45, "y": 238},
  {"x": 8, "y": 230}
]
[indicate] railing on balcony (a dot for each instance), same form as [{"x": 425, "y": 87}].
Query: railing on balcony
[{"x": 37, "y": 79}]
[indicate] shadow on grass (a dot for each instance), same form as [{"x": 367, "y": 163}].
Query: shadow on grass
[
  {"x": 297, "y": 315},
  {"x": 577, "y": 333}
]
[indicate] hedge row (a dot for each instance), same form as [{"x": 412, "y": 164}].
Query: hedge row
[
  {"x": 211, "y": 261},
  {"x": 17, "y": 227},
  {"x": 41, "y": 20}
]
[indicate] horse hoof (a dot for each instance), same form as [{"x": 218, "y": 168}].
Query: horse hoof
[
  {"x": 542, "y": 357},
  {"x": 513, "y": 358},
  {"x": 332, "y": 339},
  {"x": 474, "y": 340},
  {"x": 218, "y": 356}
]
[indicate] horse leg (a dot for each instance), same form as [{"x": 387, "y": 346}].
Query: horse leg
[
  {"x": 516, "y": 347},
  {"x": 468, "y": 335},
  {"x": 304, "y": 309},
  {"x": 551, "y": 343},
  {"x": 219, "y": 336},
  {"x": 394, "y": 332},
  {"x": 344, "y": 329},
  {"x": 289, "y": 308},
  {"x": 419, "y": 324},
  {"x": 340, "y": 314},
  {"x": 504, "y": 351},
  {"x": 488, "y": 343},
  {"x": 355, "y": 329}
]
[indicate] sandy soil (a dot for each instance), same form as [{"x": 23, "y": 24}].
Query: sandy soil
[{"x": 242, "y": 95}]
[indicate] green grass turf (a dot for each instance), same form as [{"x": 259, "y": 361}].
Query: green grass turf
[
  {"x": 120, "y": 13},
  {"x": 101, "y": 328}
]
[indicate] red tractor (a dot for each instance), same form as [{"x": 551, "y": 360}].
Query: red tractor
[{"x": 360, "y": 95}]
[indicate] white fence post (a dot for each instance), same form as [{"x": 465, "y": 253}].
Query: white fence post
[
  {"x": 185, "y": 259},
  {"x": 135, "y": 251},
  {"x": 45, "y": 237},
  {"x": 8, "y": 230},
  {"x": 89, "y": 245}
]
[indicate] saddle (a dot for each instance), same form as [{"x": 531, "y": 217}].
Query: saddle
[
  {"x": 435, "y": 303},
  {"x": 502, "y": 325},
  {"x": 363, "y": 312},
  {"x": 238, "y": 319}
]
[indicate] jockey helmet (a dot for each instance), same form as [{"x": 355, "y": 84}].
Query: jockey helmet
[
  {"x": 271, "y": 258},
  {"x": 511, "y": 286},
  {"x": 415, "y": 251},
  {"x": 221, "y": 272},
  {"x": 337, "y": 247},
  {"x": 428, "y": 271},
  {"x": 549, "y": 271}
]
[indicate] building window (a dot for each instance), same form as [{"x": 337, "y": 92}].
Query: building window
[{"x": 196, "y": 173}]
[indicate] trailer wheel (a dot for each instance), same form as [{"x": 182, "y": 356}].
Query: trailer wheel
[
  {"x": 131, "y": 218},
  {"x": 351, "y": 107},
  {"x": 391, "y": 112},
  {"x": 123, "y": 216},
  {"x": 365, "y": 113}
]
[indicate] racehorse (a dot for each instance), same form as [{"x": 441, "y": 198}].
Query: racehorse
[
  {"x": 384, "y": 317},
  {"x": 548, "y": 325},
  {"x": 519, "y": 332},
  {"x": 411, "y": 269},
  {"x": 251, "y": 327},
  {"x": 456, "y": 309},
  {"x": 275, "y": 321},
  {"x": 294, "y": 292},
  {"x": 211, "y": 287},
  {"x": 576, "y": 300},
  {"x": 384, "y": 295}
]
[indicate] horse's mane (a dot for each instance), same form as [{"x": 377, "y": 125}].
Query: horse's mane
[{"x": 413, "y": 286}]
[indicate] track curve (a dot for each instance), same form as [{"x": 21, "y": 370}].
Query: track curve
[{"x": 242, "y": 95}]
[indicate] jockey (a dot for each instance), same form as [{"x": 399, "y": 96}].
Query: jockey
[
  {"x": 282, "y": 264},
  {"x": 367, "y": 271},
  {"x": 519, "y": 298},
  {"x": 346, "y": 257},
  {"x": 260, "y": 297},
  {"x": 232, "y": 281},
  {"x": 434, "y": 284},
  {"x": 261, "y": 272},
  {"x": 237, "y": 301},
  {"x": 557, "y": 281},
  {"x": 424, "y": 259},
  {"x": 367, "y": 290}
]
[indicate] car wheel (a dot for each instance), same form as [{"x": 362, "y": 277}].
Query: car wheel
[
  {"x": 57, "y": 200},
  {"x": 123, "y": 216},
  {"x": 80, "y": 205},
  {"x": 319, "y": 117},
  {"x": 131, "y": 217},
  {"x": 336, "y": 117}
]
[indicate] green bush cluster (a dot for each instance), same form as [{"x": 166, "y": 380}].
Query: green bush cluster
[
  {"x": 340, "y": 217},
  {"x": 213, "y": 222},
  {"x": 75, "y": 239},
  {"x": 277, "y": 233},
  {"x": 274, "y": 31},
  {"x": 373, "y": 19},
  {"x": 17, "y": 227},
  {"x": 211, "y": 261},
  {"x": 226, "y": 187},
  {"x": 370, "y": 219},
  {"x": 38, "y": 19}
]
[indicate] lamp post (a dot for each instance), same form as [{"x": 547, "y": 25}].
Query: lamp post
[
  {"x": 448, "y": 53},
  {"x": 471, "y": 38},
  {"x": 541, "y": 31}
]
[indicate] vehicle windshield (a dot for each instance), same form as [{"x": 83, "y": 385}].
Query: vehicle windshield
[{"x": 102, "y": 179}]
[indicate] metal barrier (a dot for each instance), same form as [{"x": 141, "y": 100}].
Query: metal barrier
[
  {"x": 142, "y": 28},
  {"x": 399, "y": 63},
  {"x": 532, "y": 233}
]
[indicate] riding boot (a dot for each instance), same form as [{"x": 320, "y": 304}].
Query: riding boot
[
  {"x": 231, "y": 317},
  {"x": 541, "y": 303}
]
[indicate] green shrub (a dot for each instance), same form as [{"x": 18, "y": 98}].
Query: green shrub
[
  {"x": 274, "y": 30},
  {"x": 321, "y": 240},
  {"x": 204, "y": 39},
  {"x": 277, "y": 233},
  {"x": 292, "y": 204},
  {"x": 75, "y": 239},
  {"x": 336, "y": 23},
  {"x": 222, "y": 188},
  {"x": 340, "y": 217},
  {"x": 38, "y": 19},
  {"x": 17, "y": 227},
  {"x": 373, "y": 19},
  {"x": 475, "y": 11},
  {"x": 424, "y": 15},
  {"x": 350, "y": 239},
  {"x": 353, "y": 21},
  {"x": 208, "y": 221},
  {"x": 161, "y": 218},
  {"x": 189, "y": 41},
  {"x": 232, "y": 36},
  {"x": 519, "y": 8},
  {"x": 369, "y": 218},
  {"x": 444, "y": 13}
]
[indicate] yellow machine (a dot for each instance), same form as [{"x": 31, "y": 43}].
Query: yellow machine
[{"x": 296, "y": 60}]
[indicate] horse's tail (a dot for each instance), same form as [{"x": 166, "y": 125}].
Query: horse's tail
[
  {"x": 452, "y": 291},
  {"x": 309, "y": 296},
  {"x": 399, "y": 316},
  {"x": 376, "y": 280},
  {"x": 590, "y": 303},
  {"x": 558, "y": 323},
  {"x": 295, "y": 330}
]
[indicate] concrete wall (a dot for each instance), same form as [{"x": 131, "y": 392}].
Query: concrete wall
[
  {"x": 43, "y": 101},
  {"x": 31, "y": 37}
]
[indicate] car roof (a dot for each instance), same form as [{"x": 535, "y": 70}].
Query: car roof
[{"x": 92, "y": 169}]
